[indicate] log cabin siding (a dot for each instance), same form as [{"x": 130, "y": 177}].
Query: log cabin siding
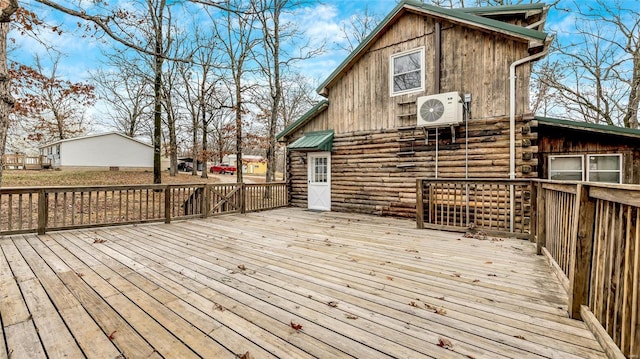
[{"x": 364, "y": 173}]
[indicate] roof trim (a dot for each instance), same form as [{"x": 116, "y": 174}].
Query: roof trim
[
  {"x": 591, "y": 127},
  {"x": 454, "y": 15},
  {"x": 95, "y": 135},
  {"x": 314, "y": 141},
  {"x": 315, "y": 110},
  {"x": 527, "y": 9}
]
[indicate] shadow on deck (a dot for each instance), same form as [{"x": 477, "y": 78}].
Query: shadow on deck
[{"x": 282, "y": 283}]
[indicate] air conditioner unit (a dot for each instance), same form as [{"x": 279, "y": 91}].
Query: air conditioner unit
[{"x": 439, "y": 110}]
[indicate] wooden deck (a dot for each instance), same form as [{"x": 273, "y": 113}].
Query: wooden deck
[{"x": 358, "y": 286}]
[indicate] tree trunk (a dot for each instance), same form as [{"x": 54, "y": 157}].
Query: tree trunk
[
  {"x": 238, "y": 132},
  {"x": 203, "y": 116},
  {"x": 157, "y": 115},
  {"x": 6, "y": 100}
]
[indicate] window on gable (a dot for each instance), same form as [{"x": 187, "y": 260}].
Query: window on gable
[
  {"x": 604, "y": 168},
  {"x": 565, "y": 168},
  {"x": 407, "y": 70}
]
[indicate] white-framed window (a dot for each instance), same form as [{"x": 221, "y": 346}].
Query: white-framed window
[
  {"x": 604, "y": 168},
  {"x": 566, "y": 168},
  {"x": 407, "y": 71}
]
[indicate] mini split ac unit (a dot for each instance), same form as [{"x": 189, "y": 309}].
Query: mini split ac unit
[{"x": 439, "y": 110}]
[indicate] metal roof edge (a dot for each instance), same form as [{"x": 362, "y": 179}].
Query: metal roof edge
[
  {"x": 592, "y": 127},
  {"x": 316, "y": 109}
]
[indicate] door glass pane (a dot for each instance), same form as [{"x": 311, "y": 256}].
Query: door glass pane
[{"x": 320, "y": 169}]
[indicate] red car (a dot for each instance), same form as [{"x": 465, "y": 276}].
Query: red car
[{"x": 222, "y": 169}]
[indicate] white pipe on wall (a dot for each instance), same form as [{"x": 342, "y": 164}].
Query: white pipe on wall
[{"x": 512, "y": 122}]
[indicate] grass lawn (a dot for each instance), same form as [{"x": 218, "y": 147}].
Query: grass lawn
[{"x": 26, "y": 178}]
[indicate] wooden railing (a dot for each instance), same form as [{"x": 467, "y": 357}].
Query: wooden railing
[
  {"x": 24, "y": 210},
  {"x": 490, "y": 206},
  {"x": 19, "y": 161},
  {"x": 555, "y": 216},
  {"x": 591, "y": 232}
]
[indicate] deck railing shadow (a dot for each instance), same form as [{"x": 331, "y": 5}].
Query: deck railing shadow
[
  {"x": 589, "y": 232},
  {"x": 24, "y": 210}
]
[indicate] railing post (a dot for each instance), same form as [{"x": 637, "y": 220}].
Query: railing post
[
  {"x": 206, "y": 204},
  {"x": 541, "y": 227},
  {"x": 43, "y": 211},
  {"x": 581, "y": 252},
  {"x": 533, "y": 189},
  {"x": 167, "y": 204},
  {"x": 419, "y": 203},
  {"x": 242, "y": 197}
]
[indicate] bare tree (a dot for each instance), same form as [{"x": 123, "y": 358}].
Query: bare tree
[
  {"x": 7, "y": 9},
  {"x": 357, "y": 27},
  {"x": 235, "y": 31},
  {"x": 127, "y": 97},
  {"x": 596, "y": 75}
]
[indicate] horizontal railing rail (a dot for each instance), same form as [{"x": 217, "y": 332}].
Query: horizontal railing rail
[
  {"x": 489, "y": 205},
  {"x": 590, "y": 233},
  {"x": 24, "y": 210}
]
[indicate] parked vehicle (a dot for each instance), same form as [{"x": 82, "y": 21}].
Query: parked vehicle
[
  {"x": 185, "y": 166},
  {"x": 223, "y": 168}
]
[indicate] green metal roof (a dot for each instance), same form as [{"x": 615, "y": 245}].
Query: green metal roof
[
  {"x": 456, "y": 15},
  {"x": 584, "y": 126},
  {"x": 501, "y": 9},
  {"x": 319, "y": 107},
  {"x": 314, "y": 141}
]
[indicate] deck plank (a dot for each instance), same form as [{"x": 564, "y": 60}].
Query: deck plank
[{"x": 233, "y": 284}]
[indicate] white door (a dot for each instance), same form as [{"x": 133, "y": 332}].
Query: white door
[{"x": 319, "y": 180}]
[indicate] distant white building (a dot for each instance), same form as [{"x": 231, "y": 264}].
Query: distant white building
[{"x": 102, "y": 151}]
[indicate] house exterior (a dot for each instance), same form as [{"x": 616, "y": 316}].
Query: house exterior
[
  {"x": 363, "y": 147},
  {"x": 579, "y": 151},
  {"x": 111, "y": 150},
  {"x": 251, "y": 164}
]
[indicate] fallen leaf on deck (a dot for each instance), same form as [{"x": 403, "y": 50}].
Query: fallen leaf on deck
[
  {"x": 244, "y": 356},
  {"x": 519, "y": 337},
  {"x": 218, "y": 307},
  {"x": 351, "y": 316},
  {"x": 457, "y": 275},
  {"x": 389, "y": 278},
  {"x": 488, "y": 262},
  {"x": 411, "y": 250},
  {"x": 112, "y": 335},
  {"x": 492, "y": 275},
  {"x": 242, "y": 267},
  {"x": 332, "y": 304},
  {"x": 99, "y": 240},
  {"x": 445, "y": 343},
  {"x": 296, "y": 326},
  {"x": 354, "y": 259},
  {"x": 413, "y": 304},
  {"x": 440, "y": 311},
  {"x": 476, "y": 280},
  {"x": 80, "y": 275}
]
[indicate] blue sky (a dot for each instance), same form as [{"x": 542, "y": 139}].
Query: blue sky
[{"x": 318, "y": 22}]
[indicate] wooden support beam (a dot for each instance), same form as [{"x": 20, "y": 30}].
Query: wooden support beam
[
  {"x": 167, "y": 204},
  {"x": 419, "y": 203},
  {"x": 533, "y": 223},
  {"x": 581, "y": 252},
  {"x": 43, "y": 211}
]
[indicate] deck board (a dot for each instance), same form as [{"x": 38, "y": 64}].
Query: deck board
[{"x": 361, "y": 286}]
